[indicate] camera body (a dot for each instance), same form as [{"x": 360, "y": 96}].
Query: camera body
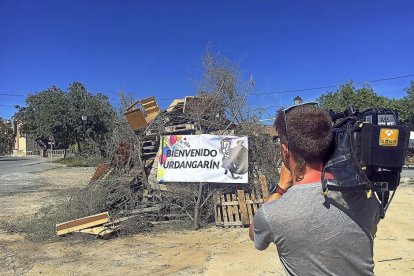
[{"x": 368, "y": 152}]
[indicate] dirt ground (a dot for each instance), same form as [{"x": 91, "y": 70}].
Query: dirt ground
[{"x": 211, "y": 251}]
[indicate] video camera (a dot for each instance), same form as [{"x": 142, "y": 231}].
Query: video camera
[{"x": 368, "y": 153}]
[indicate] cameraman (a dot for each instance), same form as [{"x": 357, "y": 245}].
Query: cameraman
[{"x": 314, "y": 234}]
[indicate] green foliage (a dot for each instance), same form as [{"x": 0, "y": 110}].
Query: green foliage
[
  {"x": 55, "y": 114},
  {"x": 348, "y": 95},
  {"x": 406, "y": 106},
  {"x": 6, "y": 137},
  {"x": 365, "y": 97}
]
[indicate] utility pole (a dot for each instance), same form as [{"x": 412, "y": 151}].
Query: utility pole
[
  {"x": 51, "y": 143},
  {"x": 84, "y": 118}
]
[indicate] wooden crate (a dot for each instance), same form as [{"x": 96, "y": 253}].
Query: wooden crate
[
  {"x": 236, "y": 209},
  {"x": 178, "y": 128},
  {"x": 135, "y": 119}
]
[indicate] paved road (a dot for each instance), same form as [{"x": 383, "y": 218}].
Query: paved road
[
  {"x": 408, "y": 172},
  {"x": 18, "y": 174},
  {"x": 20, "y": 164}
]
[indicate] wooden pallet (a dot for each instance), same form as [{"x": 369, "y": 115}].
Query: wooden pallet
[
  {"x": 178, "y": 128},
  {"x": 151, "y": 132},
  {"x": 235, "y": 209}
]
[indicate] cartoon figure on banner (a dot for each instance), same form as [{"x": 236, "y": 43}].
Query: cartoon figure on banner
[{"x": 234, "y": 159}]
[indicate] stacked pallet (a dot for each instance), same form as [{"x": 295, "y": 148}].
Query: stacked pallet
[
  {"x": 239, "y": 208},
  {"x": 236, "y": 209}
]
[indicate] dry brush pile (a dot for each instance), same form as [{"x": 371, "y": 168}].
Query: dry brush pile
[{"x": 126, "y": 186}]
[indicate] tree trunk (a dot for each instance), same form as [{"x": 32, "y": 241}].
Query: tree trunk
[
  {"x": 78, "y": 143},
  {"x": 197, "y": 206}
]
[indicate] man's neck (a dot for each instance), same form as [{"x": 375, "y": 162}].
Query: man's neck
[{"x": 312, "y": 174}]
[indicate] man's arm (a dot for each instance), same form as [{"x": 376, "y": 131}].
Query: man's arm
[
  {"x": 251, "y": 231},
  {"x": 285, "y": 182}
]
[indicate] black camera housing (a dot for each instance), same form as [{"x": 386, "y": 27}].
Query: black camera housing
[{"x": 368, "y": 152}]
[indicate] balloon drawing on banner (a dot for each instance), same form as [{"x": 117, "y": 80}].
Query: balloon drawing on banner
[{"x": 208, "y": 158}]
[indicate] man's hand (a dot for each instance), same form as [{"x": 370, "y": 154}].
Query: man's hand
[{"x": 285, "y": 182}]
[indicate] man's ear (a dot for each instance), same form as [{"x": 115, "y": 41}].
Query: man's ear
[
  {"x": 285, "y": 155},
  {"x": 285, "y": 152}
]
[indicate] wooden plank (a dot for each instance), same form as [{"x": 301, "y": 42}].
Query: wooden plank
[
  {"x": 94, "y": 230},
  {"x": 100, "y": 171},
  {"x": 179, "y": 128},
  {"x": 254, "y": 205},
  {"x": 230, "y": 203},
  {"x": 224, "y": 209},
  {"x": 175, "y": 103},
  {"x": 217, "y": 206},
  {"x": 81, "y": 223},
  {"x": 248, "y": 201},
  {"x": 151, "y": 116},
  {"x": 229, "y": 208},
  {"x": 233, "y": 223},
  {"x": 236, "y": 208},
  {"x": 135, "y": 119},
  {"x": 152, "y": 109},
  {"x": 242, "y": 207},
  {"x": 100, "y": 231},
  {"x": 249, "y": 207},
  {"x": 264, "y": 186},
  {"x": 219, "y": 210},
  {"x": 145, "y": 195}
]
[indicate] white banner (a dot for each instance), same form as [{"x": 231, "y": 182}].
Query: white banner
[{"x": 203, "y": 158}]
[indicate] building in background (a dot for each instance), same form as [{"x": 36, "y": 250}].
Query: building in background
[
  {"x": 24, "y": 144},
  {"x": 297, "y": 100},
  {"x": 19, "y": 141}
]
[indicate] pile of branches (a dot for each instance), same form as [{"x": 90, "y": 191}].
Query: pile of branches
[{"x": 124, "y": 189}]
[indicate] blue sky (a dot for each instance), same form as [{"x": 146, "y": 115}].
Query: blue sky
[{"x": 155, "y": 47}]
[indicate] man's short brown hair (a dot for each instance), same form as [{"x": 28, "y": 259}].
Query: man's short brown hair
[{"x": 308, "y": 130}]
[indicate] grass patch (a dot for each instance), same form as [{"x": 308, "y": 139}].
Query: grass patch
[
  {"x": 81, "y": 161},
  {"x": 97, "y": 197},
  {"x": 42, "y": 226}
]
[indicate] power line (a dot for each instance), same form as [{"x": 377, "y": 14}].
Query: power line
[
  {"x": 12, "y": 95},
  {"x": 7, "y": 105},
  {"x": 295, "y": 90},
  {"x": 392, "y": 78},
  {"x": 329, "y": 86}
]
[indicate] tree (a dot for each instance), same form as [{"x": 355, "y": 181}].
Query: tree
[
  {"x": 406, "y": 106},
  {"x": 99, "y": 116},
  {"x": 46, "y": 117},
  {"x": 6, "y": 137},
  {"x": 365, "y": 97},
  {"x": 55, "y": 114},
  {"x": 347, "y": 95}
]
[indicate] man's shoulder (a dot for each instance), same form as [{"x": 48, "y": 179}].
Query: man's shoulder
[
  {"x": 297, "y": 199},
  {"x": 297, "y": 193}
]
